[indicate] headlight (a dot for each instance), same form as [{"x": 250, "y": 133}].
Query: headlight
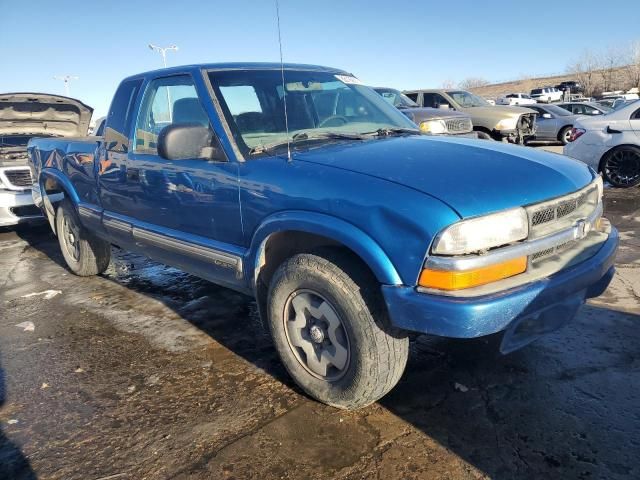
[
  {"x": 433, "y": 126},
  {"x": 483, "y": 233},
  {"x": 507, "y": 124}
]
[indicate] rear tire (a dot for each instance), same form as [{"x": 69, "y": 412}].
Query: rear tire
[
  {"x": 564, "y": 135},
  {"x": 621, "y": 167},
  {"x": 84, "y": 253},
  {"x": 331, "y": 329}
]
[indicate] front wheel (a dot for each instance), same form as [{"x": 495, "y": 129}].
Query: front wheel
[
  {"x": 84, "y": 253},
  {"x": 621, "y": 167},
  {"x": 331, "y": 330}
]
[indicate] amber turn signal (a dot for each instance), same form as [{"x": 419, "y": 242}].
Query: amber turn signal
[{"x": 452, "y": 280}]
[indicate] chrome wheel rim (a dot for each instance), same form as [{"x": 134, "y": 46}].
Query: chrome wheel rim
[
  {"x": 623, "y": 167},
  {"x": 316, "y": 335},
  {"x": 71, "y": 238},
  {"x": 567, "y": 136}
]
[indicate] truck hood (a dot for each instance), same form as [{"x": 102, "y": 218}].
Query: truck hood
[
  {"x": 420, "y": 114},
  {"x": 43, "y": 114},
  {"x": 498, "y": 111},
  {"x": 474, "y": 177}
]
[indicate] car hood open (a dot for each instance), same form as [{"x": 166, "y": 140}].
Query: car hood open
[
  {"x": 43, "y": 114},
  {"x": 474, "y": 177}
]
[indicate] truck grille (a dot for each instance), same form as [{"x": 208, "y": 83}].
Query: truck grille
[
  {"x": 17, "y": 177},
  {"x": 559, "y": 214},
  {"x": 459, "y": 125}
]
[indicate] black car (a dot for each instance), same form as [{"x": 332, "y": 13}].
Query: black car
[
  {"x": 435, "y": 121},
  {"x": 571, "y": 85}
]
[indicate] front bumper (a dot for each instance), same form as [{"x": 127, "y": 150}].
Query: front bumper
[
  {"x": 525, "y": 312},
  {"x": 17, "y": 207}
]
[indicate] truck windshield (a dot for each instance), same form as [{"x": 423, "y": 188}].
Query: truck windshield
[
  {"x": 466, "y": 99},
  {"x": 396, "y": 98},
  {"x": 323, "y": 106}
]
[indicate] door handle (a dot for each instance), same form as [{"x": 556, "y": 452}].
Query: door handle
[{"x": 133, "y": 174}]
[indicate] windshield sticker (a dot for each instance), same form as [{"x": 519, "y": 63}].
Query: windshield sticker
[{"x": 349, "y": 80}]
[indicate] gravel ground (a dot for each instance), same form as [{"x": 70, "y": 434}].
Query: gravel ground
[{"x": 146, "y": 372}]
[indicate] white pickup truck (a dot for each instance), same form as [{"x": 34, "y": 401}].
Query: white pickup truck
[{"x": 23, "y": 116}]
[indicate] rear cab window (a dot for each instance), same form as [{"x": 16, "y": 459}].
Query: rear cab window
[{"x": 118, "y": 122}]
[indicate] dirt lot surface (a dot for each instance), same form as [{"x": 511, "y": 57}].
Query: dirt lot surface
[{"x": 146, "y": 372}]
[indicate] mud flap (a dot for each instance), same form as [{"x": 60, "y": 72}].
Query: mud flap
[{"x": 527, "y": 329}]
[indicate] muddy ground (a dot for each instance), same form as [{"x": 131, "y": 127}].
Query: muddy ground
[{"x": 146, "y": 372}]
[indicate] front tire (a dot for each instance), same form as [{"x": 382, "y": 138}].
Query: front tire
[
  {"x": 621, "y": 167},
  {"x": 484, "y": 135},
  {"x": 84, "y": 253},
  {"x": 331, "y": 329}
]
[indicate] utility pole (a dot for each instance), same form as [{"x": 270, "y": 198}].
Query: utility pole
[
  {"x": 66, "y": 79},
  {"x": 163, "y": 52}
]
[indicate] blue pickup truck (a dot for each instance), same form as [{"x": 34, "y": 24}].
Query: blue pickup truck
[{"x": 304, "y": 188}]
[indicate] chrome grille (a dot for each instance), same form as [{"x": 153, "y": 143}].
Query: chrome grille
[
  {"x": 459, "y": 125},
  {"x": 552, "y": 251},
  {"x": 16, "y": 177},
  {"x": 548, "y": 217}
]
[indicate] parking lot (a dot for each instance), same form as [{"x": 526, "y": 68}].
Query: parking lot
[{"x": 148, "y": 372}]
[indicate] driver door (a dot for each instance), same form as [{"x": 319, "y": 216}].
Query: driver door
[{"x": 182, "y": 212}]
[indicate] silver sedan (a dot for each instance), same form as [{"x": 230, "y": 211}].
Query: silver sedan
[{"x": 553, "y": 123}]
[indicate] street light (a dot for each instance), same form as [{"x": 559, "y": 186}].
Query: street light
[
  {"x": 163, "y": 52},
  {"x": 66, "y": 79}
]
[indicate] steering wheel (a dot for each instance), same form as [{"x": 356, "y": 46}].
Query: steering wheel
[{"x": 325, "y": 123}]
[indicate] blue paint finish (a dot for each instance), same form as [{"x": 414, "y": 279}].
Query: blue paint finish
[
  {"x": 384, "y": 198},
  {"x": 327, "y": 226},
  {"x": 400, "y": 220},
  {"x": 474, "y": 177},
  {"x": 475, "y": 317}
]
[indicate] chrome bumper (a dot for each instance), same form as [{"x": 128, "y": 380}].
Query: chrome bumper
[{"x": 12, "y": 205}]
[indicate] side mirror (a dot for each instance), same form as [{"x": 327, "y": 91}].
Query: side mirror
[
  {"x": 546, "y": 115},
  {"x": 183, "y": 141}
]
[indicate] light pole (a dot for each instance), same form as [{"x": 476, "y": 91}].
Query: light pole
[
  {"x": 66, "y": 79},
  {"x": 163, "y": 52}
]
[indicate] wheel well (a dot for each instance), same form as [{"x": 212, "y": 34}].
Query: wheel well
[
  {"x": 52, "y": 186},
  {"x": 280, "y": 246},
  {"x": 562, "y": 130},
  {"x": 482, "y": 129}
]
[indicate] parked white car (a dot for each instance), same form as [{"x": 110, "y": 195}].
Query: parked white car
[
  {"x": 516, "y": 99},
  {"x": 547, "y": 94},
  {"x": 610, "y": 144}
]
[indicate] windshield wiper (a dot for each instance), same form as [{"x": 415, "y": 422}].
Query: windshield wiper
[
  {"x": 304, "y": 137},
  {"x": 388, "y": 132}
]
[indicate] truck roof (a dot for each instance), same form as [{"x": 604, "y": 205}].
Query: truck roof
[{"x": 240, "y": 66}]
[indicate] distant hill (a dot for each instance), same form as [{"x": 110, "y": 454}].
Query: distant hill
[{"x": 525, "y": 85}]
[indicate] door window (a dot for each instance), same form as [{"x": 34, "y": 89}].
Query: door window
[
  {"x": 435, "y": 100},
  {"x": 167, "y": 101}
]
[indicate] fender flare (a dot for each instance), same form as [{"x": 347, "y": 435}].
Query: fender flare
[
  {"x": 68, "y": 191},
  {"x": 327, "y": 226}
]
